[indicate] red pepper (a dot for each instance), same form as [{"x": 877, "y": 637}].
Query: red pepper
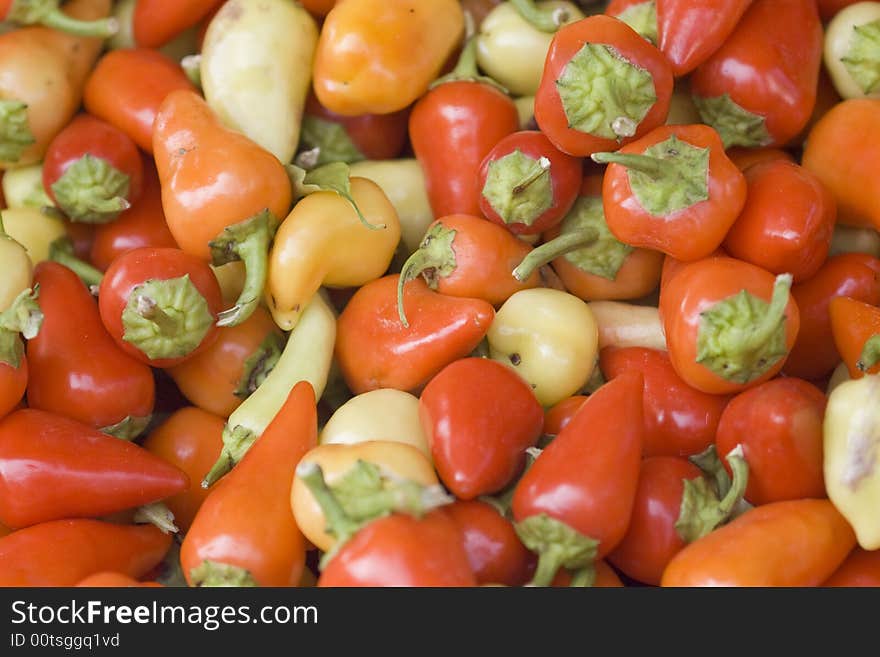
[
  {"x": 127, "y": 86},
  {"x": 854, "y": 275},
  {"x": 679, "y": 420},
  {"x": 527, "y": 184},
  {"x": 92, "y": 170},
  {"x": 494, "y": 551},
  {"x": 375, "y": 350},
  {"x": 64, "y": 552},
  {"x": 13, "y": 383},
  {"x": 603, "y": 85},
  {"x": 141, "y": 225},
  {"x": 729, "y": 325},
  {"x": 558, "y": 415},
  {"x": 573, "y": 504},
  {"x": 401, "y": 550},
  {"x": 160, "y": 305},
  {"x": 479, "y": 417},
  {"x": 466, "y": 256},
  {"x": 689, "y": 31},
  {"x": 52, "y": 467},
  {"x": 245, "y": 531},
  {"x": 156, "y": 22},
  {"x": 675, "y": 190},
  {"x": 779, "y": 425},
  {"x": 452, "y": 128},
  {"x": 652, "y": 539},
  {"x": 787, "y": 222},
  {"x": 860, "y": 568},
  {"x": 759, "y": 87},
  {"x": 76, "y": 368}
]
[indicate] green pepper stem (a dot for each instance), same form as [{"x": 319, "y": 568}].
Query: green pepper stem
[
  {"x": 549, "y": 562},
  {"x": 775, "y": 314},
  {"x": 585, "y": 577},
  {"x": 555, "y": 248},
  {"x": 341, "y": 525},
  {"x": 157, "y": 514},
  {"x": 148, "y": 309},
  {"x": 650, "y": 166},
  {"x": 61, "y": 251},
  {"x": 740, "y": 468},
  {"x": 103, "y": 28},
  {"x": 543, "y": 167},
  {"x": 420, "y": 261},
  {"x": 545, "y": 19},
  {"x": 870, "y": 353}
]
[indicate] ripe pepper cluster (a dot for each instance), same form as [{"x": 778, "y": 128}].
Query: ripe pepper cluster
[{"x": 532, "y": 293}]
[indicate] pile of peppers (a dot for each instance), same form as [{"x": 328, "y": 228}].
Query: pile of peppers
[{"x": 439, "y": 293}]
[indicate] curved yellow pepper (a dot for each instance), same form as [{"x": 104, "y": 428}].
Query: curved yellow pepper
[{"x": 324, "y": 242}]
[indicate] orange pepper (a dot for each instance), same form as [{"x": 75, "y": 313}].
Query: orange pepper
[
  {"x": 855, "y": 326},
  {"x": 360, "y": 70}
]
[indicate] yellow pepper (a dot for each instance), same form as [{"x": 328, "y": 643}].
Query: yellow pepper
[
  {"x": 395, "y": 462},
  {"x": 18, "y": 310},
  {"x": 34, "y": 230},
  {"x": 23, "y": 187},
  {"x": 307, "y": 356},
  {"x": 403, "y": 182},
  {"x": 256, "y": 67},
  {"x": 360, "y": 69},
  {"x": 383, "y": 414},
  {"x": 628, "y": 325},
  {"x": 851, "y": 56},
  {"x": 323, "y": 241},
  {"x": 550, "y": 338},
  {"x": 851, "y": 434}
]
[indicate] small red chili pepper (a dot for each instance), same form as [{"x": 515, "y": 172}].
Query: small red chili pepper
[
  {"x": 30, "y": 556},
  {"x": 855, "y": 326},
  {"x": 603, "y": 85},
  {"x": 674, "y": 190},
  {"x": 787, "y": 221},
  {"x": 779, "y": 426},
  {"x": 92, "y": 170},
  {"x": 759, "y": 87},
  {"x": 573, "y": 505},
  {"x": 466, "y": 256},
  {"x": 453, "y": 127},
  {"x": 375, "y": 350},
  {"x": 479, "y": 417},
  {"x": 156, "y": 22},
  {"x": 679, "y": 420},
  {"x": 160, "y": 305},
  {"x": 52, "y": 468},
  {"x": 527, "y": 184},
  {"x": 729, "y": 325},
  {"x": 76, "y": 368}
]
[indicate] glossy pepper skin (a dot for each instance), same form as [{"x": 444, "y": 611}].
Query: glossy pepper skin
[
  {"x": 89, "y": 153},
  {"x": 689, "y": 32},
  {"x": 587, "y": 477},
  {"x": 76, "y": 368},
  {"x": 651, "y": 539},
  {"x": 358, "y": 70},
  {"x": 842, "y": 148},
  {"x": 156, "y": 22},
  {"x": 854, "y": 275},
  {"x": 702, "y": 309},
  {"x": 246, "y": 522},
  {"x": 679, "y": 420},
  {"x": 184, "y": 294},
  {"x": 30, "y": 555},
  {"x": 451, "y": 129},
  {"x": 759, "y": 87},
  {"x": 53, "y": 468},
  {"x": 479, "y": 417},
  {"x": 792, "y": 543},
  {"x": 401, "y": 550},
  {"x": 44, "y": 74},
  {"x": 695, "y": 225},
  {"x": 779, "y": 426},
  {"x": 787, "y": 221},
  {"x": 127, "y": 87},
  {"x": 581, "y": 137},
  {"x": 375, "y": 350}
]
